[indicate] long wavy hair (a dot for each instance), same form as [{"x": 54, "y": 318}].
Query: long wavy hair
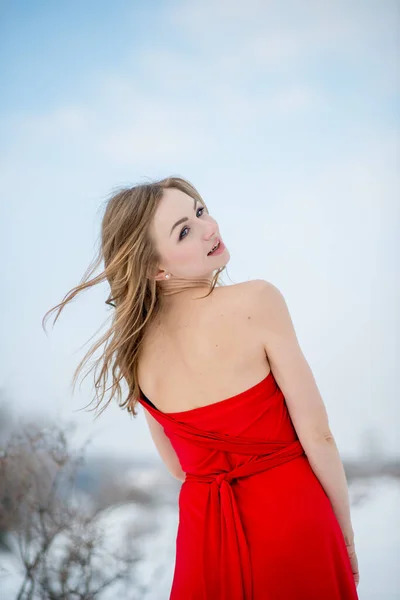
[{"x": 130, "y": 257}]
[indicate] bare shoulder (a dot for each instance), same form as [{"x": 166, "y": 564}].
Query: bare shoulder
[
  {"x": 266, "y": 301},
  {"x": 246, "y": 289},
  {"x": 264, "y": 289},
  {"x": 251, "y": 300},
  {"x": 271, "y": 315},
  {"x": 256, "y": 295},
  {"x": 292, "y": 372}
]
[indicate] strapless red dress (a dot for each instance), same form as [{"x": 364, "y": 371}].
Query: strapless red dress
[{"x": 254, "y": 520}]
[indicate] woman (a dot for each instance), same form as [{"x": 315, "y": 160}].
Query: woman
[{"x": 231, "y": 404}]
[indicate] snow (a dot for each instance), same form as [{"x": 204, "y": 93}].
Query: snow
[{"x": 376, "y": 524}]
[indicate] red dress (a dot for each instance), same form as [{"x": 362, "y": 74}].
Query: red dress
[{"x": 254, "y": 520}]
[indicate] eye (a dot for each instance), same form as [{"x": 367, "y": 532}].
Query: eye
[{"x": 202, "y": 208}]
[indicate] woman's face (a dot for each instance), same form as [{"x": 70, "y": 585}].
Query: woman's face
[{"x": 184, "y": 233}]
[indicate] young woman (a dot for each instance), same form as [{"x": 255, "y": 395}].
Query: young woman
[{"x": 231, "y": 404}]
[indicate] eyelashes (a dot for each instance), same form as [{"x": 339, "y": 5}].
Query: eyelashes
[{"x": 202, "y": 208}]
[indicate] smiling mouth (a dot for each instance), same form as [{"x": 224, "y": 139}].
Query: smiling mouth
[{"x": 214, "y": 248}]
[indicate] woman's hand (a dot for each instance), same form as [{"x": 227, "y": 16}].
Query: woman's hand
[{"x": 353, "y": 561}]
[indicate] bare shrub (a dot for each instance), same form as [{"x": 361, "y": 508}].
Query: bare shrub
[{"x": 59, "y": 531}]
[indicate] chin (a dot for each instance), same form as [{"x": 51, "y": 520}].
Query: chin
[
  {"x": 223, "y": 262},
  {"x": 226, "y": 257}
]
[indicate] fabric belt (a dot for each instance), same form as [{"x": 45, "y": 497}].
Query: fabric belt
[{"x": 226, "y": 556}]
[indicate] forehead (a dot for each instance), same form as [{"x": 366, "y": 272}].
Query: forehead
[
  {"x": 173, "y": 205},
  {"x": 174, "y": 199}
]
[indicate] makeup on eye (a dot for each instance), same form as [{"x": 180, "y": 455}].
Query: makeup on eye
[{"x": 202, "y": 208}]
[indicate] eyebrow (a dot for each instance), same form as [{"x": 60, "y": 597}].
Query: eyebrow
[{"x": 183, "y": 218}]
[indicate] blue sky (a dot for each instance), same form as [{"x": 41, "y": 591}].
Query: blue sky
[{"x": 284, "y": 115}]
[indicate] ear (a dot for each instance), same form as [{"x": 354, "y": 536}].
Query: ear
[{"x": 161, "y": 275}]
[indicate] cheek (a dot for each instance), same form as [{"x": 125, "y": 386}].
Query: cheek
[{"x": 186, "y": 253}]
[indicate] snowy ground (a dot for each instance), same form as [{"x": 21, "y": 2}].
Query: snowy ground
[{"x": 376, "y": 522}]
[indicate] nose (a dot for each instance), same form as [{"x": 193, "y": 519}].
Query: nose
[{"x": 211, "y": 231}]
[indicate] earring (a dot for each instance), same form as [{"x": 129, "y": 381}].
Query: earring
[{"x": 167, "y": 275}]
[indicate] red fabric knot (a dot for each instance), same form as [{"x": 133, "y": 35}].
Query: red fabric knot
[{"x": 220, "y": 478}]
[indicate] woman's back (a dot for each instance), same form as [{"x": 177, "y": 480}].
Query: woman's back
[
  {"x": 204, "y": 351},
  {"x": 251, "y": 509}
]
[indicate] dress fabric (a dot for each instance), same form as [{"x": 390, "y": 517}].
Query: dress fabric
[{"x": 254, "y": 520}]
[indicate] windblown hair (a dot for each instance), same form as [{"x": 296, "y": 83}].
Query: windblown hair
[{"x": 130, "y": 259}]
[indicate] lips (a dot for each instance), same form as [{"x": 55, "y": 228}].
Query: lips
[{"x": 218, "y": 240}]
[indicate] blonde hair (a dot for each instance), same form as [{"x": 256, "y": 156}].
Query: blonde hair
[{"x": 130, "y": 257}]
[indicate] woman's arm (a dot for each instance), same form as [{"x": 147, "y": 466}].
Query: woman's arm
[
  {"x": 306, "y": 407},
  {"x": 164, "y": 447}
]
